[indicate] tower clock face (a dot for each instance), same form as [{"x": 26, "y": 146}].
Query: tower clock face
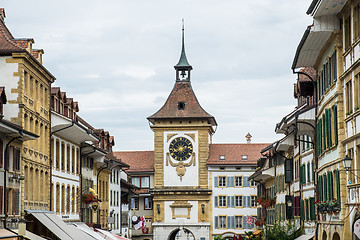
[{"x": 180, "y": 148}]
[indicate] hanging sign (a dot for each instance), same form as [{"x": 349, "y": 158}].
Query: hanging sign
[
  {"x": 357, "y": 227},
  {"x": 95, "y": 206}
]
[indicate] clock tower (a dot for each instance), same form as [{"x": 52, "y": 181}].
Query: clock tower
[{"x": 182, "y": 133}]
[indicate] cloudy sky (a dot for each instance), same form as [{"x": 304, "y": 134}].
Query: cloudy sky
[{"x": 116, "y": 58}]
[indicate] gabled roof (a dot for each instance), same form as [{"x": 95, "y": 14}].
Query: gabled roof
[
  {"x": 233, "y": 153},
  {"x": 139, "y": 161},
  {"x": 6, "y": 43},
  {"x": 182, "y": 92}
]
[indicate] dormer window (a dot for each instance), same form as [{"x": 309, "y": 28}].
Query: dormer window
[
  {"x": 222, "y": 157},
  {"x": 244, "y": 157},
  {"x": 181, "y": 105}
]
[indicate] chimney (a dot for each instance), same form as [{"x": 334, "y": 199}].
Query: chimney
[
  {"x": 248, "y": 138},
  {"x": 2, "y": 14}
]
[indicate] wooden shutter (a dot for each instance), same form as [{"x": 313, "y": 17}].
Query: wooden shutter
[
  {"x": 320, "y": 188},
  {"x": 312, "y": 208},
  {"x": 324, "y": 132},
  {"x": 334, "y": 65},
  {"x": 216, "y": 181},
  {"x": 232, "y": 201},
  {"x": 330, "y": 186},
  {"x": 337, "y": 173},
  {"x": 246, "y": 181},
  {"x": 16, "y": 202},
  {"x": 330, "y": 127},
  {"x": 313, "y": 170},
  {"x": 325, "y": 187},
  {"x": 335, "y": 125},
  {"x": 228, "y": 222}
]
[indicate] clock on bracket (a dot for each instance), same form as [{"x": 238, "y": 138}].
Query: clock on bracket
[{"x": 180, "y": 148}]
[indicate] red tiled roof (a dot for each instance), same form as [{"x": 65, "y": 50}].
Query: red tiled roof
[
  {"x": 182, "y": 92},
  {"x": 139, "y": 161},
  {"x": 233, "y": 153},
  {"x": 6, "y": 40}
]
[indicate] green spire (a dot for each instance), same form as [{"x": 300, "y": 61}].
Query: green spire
[{"x": 183, "y": 62}]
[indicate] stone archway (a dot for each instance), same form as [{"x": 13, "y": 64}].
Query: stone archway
[
  {"x": 336, "y": 236},
  {"x": 181, "y": 234}
]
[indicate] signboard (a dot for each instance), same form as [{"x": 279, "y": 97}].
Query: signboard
[{"x": 95, "y": 206}]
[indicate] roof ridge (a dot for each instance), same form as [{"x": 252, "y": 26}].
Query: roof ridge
[{"x": 2, "y": 25}]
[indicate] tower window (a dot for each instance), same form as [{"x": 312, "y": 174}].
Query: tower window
[{"x": 181, "y": 105}]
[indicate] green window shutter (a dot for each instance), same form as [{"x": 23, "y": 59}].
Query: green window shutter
[
  {"x": 320, "y": 188},
  {"x": 313, "y": 170},
  {"x": 312, "y": 208},
  {"x": 324, "y": 132},
  {"x": 308, "y": 172},
  {"x": 337, "y": 173},
  {"x": 325, "y": 187},
  {"x": 329, "y": 126},
  {"x": 302, "y": 209},
  {"x": 331, "y": 194},
  {"x": 335, "y": 125},
  {"x": 318, "y": 138},
  {"x": 300, "y": 174},
  {"x": 334, "y": 65}
]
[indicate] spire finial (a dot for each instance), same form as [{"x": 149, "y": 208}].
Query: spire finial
[{"x": 183, "y": 62}]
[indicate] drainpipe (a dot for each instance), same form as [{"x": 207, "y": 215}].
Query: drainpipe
[{"x": 5, "y": 175}]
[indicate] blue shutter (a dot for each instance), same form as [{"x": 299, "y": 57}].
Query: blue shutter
[
  {"x": 228, "y": 222},
  {"x": 248, "y": 201},
  {"x": 243, "y": 201},
  {"x": 244, "y": 222},
  {"x": 216, "y": 181},
  {"x": 232, "y": 198},
  {"x": 228, "y": 201},
  {"x": 216, "y": 222},
  {"x": 230, "y": 181},
  {"x": 246, "y": 181},
  {"x": 216, "y": 201},
  {"x": 232, "y": 221}
]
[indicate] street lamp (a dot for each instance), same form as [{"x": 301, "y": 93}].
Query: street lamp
[{"x": 347, "y": 162}]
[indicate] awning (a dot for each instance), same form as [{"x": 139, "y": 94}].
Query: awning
[
  {"x": 304, "y": 237},
  {"x": 58, "y": 227},
  {"x": 6, "y": 234}
]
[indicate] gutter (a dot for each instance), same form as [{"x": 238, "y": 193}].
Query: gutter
[{"x": 312, "y": 6}]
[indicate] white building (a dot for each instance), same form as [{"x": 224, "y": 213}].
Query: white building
[{"x": 233, "y": 195}]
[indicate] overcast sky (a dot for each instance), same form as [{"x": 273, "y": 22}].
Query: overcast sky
[{"x": 116, "y": 58}]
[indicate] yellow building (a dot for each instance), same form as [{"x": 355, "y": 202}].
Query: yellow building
[
  {"x": 182, "y": 131},
  {"x": 28, "y": 84}
]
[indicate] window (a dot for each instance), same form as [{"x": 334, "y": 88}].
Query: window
[
  {"x": 238, "y": 181},
  {"x": 253, "y": 202},
  {"x": 142, "y": 182},
  {"x": 181, "y": 105},
  {"x": 135, "y": 203},
  {"x": 348, "y": 96},
  {"x": 222, "y": 181},
  {"x": 222, "y": 201},
  {"x": 148, "y": 203},
  {"x": 356, "y": 22},
  {"x": 222, "y": 157},
  {"x": 222, "y": 221},
  {"x": 244, "y": 157},
  {"x": 238, "y": 221},
  {"x": 238, "y": 201}
]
